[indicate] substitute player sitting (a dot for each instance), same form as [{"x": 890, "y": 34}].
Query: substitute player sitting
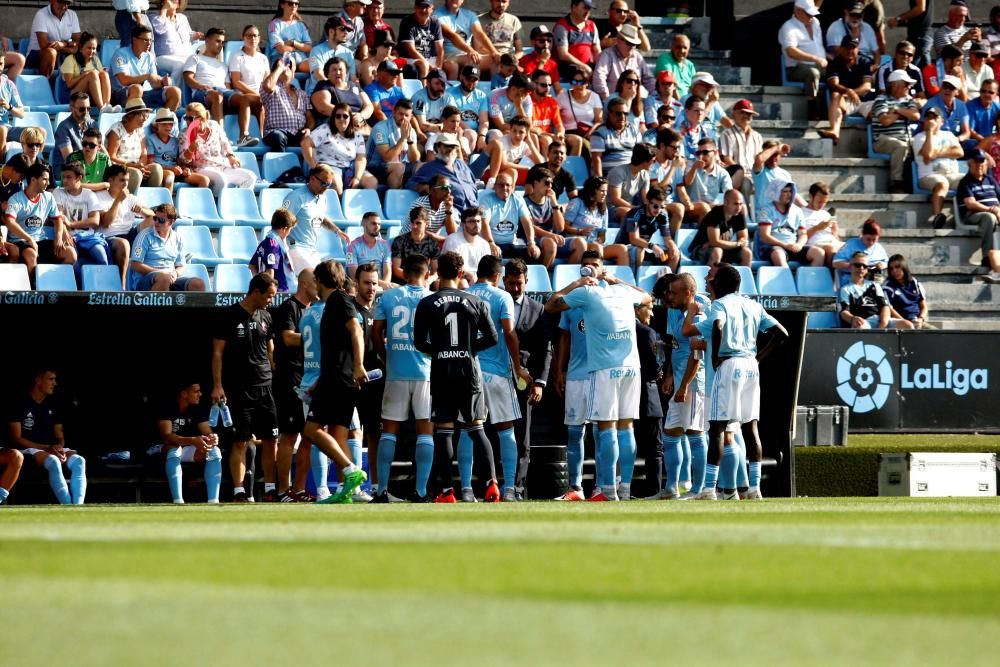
[{"x": 188, "y": 438}]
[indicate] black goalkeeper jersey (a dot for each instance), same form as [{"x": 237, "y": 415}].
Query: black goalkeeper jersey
[{"x": 452, "y": 327}]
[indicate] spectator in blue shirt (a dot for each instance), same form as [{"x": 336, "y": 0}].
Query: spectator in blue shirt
[
  {"x": 393, "y": 153},
  {"x": 867, "y": 243},
  {"x": 134, "y": 74},
  {"x": 504, "y": 213},
  {"x": 158, "y": 255},
  {"x": 69, "y": 133},
  {"x": 383, "y": 91},
  {"x": 983, "y": 112},
  {"x": 954, "y": 113}
]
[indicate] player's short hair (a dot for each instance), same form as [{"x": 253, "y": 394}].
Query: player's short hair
[
  {"x": 166, "y": 209},
  {"x": 707, "y": 141},
  {"x": 641, "y": 153},
  {"x": 261, "y": 283},
  {"x": 516, "y": 267},
  {"x": 666, "y": 136},
  {"x": 34, "y": 171},
  {"x": 591, "y": 254},
  {"x": 819, "y": 187},
  {"x": 367, "y": 267},
  {"x": 139, "y": 30},
  {"x": 18, "y": 163},
  {"x": 329, "y": 274},
  {"x": 368, "y": 216},
  {"x": 726, "y": 281},
  {"x": 282, "y": 218},
  {"x": 537, "y": 173},
  {"x": 860, "y": 253},
  {"x": 415, "y": 266},
  {"x": 688, "y": 280},
  {"x": 520, "y": 121},
  {"x": 114, "y": 171},
  {"x": 75, "y": 168},
  {"x": 555, "y": 144},
  {"x": 450, "y": 264},
  {"x": 403, "y": 104},
  {"x": 450, "y": 111},
  {"x": 489, "y": 266},
  {"x": 320, "y": 169},
  {"x": 662, "y": 285},
  {"x": 212, "y": 32},
  {"x": 657, "y": 194}
]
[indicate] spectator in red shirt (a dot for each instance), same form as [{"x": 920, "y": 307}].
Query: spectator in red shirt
[
  {"x": 576, "y": 41},
  {"x": 546, "y": 120},
  {"x": 373, "y": 21},
  {"x": 541, "y": 57}
]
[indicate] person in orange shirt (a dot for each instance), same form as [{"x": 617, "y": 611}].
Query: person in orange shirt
[{"x": 546, "y": 120}]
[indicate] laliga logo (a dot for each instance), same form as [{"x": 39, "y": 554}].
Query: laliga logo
[{"x": 864, "y": 377}]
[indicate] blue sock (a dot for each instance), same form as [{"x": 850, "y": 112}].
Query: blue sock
[
  {"x": 741, "y": 469},
  {"x": 699, "y": 458},
  {"x": 465, "y": 460},
  {"x": 386, "y": 453},
  {"x": 425, "y": 459},
  {"x": 56, "y": 479},
  {"x": 754, "y": 473},
  {"x": 626, "y": 451},
  {"x": 574, "y": 454},
  {"x": 711, "y": 476},
  {"x": 608, "y": 442},
  {"x": 508, "y": 456},
  {"x": 672, "y": 457},
  {"x": 320, "y": 469},
  {"x": 77, "y": 478},
  {"x": 213, "y": 474},
  {"x": 3, "y": 495},
  {"x": 727, "y": 467},
  {"x": 685, "y": 475},
  {"x": 598, "y": 470},
  {"x": 174, "y": 474},
  {"x": 355, "y": 446}
]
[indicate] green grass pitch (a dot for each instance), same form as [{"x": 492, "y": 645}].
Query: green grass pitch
[{"x": 781, "y": 582}]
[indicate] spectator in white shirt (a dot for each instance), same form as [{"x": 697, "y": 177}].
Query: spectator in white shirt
[
  {"x": 55, "y": 33},
  {"x": 802, "y": 50}
]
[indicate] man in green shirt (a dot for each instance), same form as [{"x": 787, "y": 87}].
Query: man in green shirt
[
  {"x": 94, "y": 160},
  {"x": 677, "y": 62}
]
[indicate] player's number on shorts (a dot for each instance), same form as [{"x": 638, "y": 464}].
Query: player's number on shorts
[
  {"x": 451, "y": 319},
  {"x": 402, "y": 317}
]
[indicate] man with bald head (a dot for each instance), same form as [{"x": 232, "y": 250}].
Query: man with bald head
[{"x": 722, "y": 234}]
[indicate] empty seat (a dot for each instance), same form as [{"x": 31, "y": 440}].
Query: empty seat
[
  {"x": 354, "y": 231},
  {"x": 249, "y": 161},
  {"x": 198, "y": 245},
  {"x": 14, "y": 277},
  {"x": 231, "y": 126},
  {"x": 107, "y": 120},
  {"x": 198, "y": 204},
  {"x": 823, "y": 320},
  {"x": 747, "y": 284},
  {"x": 55, "y": 278},
  {"x": 684, "y": 238},
  {"x": 411, "y": 86},
  {"x": 777, "y": 280},
  {"x": 197, "y": 271},
  {"x": 330, "y": 246},
  {"x": 275, "y": 164},
  {"x": 815, "y": 281},
  {"x": 538, "y": 279},
  {"x": 358, "y": 202},
  {"x": 237, "y": 244},
  {"x": 700, "y": 272},
  {"x": 646, "y": 276},
  {"x": 152, "y": 197},
  {"x": 232, "y": 278},
  {"x": 38, "y": 119},
  {"x": 623, "y": 273},
  {"x": 102, "y": 278},
  {"x": 271, "y": 199},
  {"x": 36, "y": 94},
  {"x": 333, "y": 208},
  {"x": 577, "y": 166},
  {"x": 108, "y": 48},
  {"x": 398, "y": 204},
  {"x": 239, "y": 206}
]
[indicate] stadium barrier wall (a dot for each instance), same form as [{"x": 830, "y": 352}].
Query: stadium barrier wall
[{"x": 917, "y": 381}]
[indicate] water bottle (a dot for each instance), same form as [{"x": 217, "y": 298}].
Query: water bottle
[
  {"x": 375, "y": 375},
  {"x": 227, "y": 418},
  {"x": 213, "y": 415},
  {"x": 587, "y": 271}
]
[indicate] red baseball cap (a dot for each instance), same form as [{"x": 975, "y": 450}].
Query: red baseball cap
[
  {"x": 744, "y": 105},
  {"x": 666, "y": 76}
]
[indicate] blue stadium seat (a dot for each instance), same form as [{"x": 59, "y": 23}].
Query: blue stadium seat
[
  {"x": 700, "y": 272},
  {"x": 22, "y": 45},
  {"x": 275, "y": 164},
  {"x": 747, "y": 284},
  {"x": 13, "y": 149},
  {"x": 152, "y": 197},
  {"x": 14, "y": 277},
  {"x": 330, "y": 246},
  {"x": 102, "y": 278},
  {"x": 239, "y": 206},
  {"x": 398, "y": 203},
  {"x": 106, "y": 120},
  {"x": 815, "y": 281},
  {"x": 249, "y": 161},
  {"x": 647, "y": 275},
  {"x": 198, "y": 245},
  {"x": 271, "y": 199},
  {"x": 411, "y": 86},
  {"x": 333, "y": 208},
  {"x": 197, "y": 271},
  {"x": 823, "y": 320},
  {"x": 354, "y": 232},
  {"x": 358, "y": 202},
  {"x": 60, "y": 117},
  {"x": 776, "y": 280},
  {"x": 231, "y": 47},
  {"x": 564, "y": 274},
  {"x": 198, "y": 204},
  {"x": 237, "y": 244},
  {"x": 963, "y": 167},
  {"x": 38, "y": 119},
  {"x": 684, "y": 238},
  {"x": 538, "y": 279},
  {"x": 231, "y": 126},
  {"x": 55, "y": 278},
  {"x": 36, "y": 94},
  {"x": 232, "y": 278},
  {"x": 577, "y": 166},
  {"x": 108, "y": 48},
  {"x": 872, "y": 154},
  {"x": 485, "y": 86},
  {"x": 621, "y": 272}
]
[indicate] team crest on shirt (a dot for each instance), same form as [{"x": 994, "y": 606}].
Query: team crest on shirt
[
  {"x": 505, "y": 227},
  {"x": 33, "y": 222},
  {"x": 240, "y": 331},
  {"x": 28, "y": 422}
]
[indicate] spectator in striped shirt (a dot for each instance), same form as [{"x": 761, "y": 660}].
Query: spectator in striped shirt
[
  {"x": 891, "y": 117},
  {"x": 440, "y": 206}
]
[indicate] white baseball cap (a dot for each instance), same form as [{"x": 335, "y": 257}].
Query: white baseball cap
[
  {"x": 952, "y": 81},
  {"x": 807, "y": 6},
  {"x": 901, "y": 75}
]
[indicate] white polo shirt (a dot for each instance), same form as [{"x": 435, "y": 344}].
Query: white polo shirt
[
  {"x": 794, "y": 33},
  {"x": 207, "y": 70},
  {"x": 56, "y": 29}
]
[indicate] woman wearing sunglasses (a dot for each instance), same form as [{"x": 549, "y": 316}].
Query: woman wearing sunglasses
[
  {"x": 32, "y": 142},
  {"x": 627, "y": 89},
  {"x": 339, "y": 145},
  {"x": 581, "y": 110},
  {"x": 288, "y": 37}
]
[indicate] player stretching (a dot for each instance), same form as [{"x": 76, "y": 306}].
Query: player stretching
[
  {"x": 335, "y": 395},
  {"x": 452, "y": 327},
  {"x": 732, "y": 324},
  {"x": 613, "y": 366},
  {"x": 498, "y": 384},
  {"x": 407, "y": 376}
]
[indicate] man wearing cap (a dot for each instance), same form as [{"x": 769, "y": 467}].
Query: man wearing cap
[
  {"x": 374, "y": 22},
  {"x": 983, "y": 112},
  {"x": 338, "y": 30},
  {"x": 936, "y": 152},
  {"x": 853, "y": 25},
  {"x": 353, "y": 15},
  {"x": 474, "y": 105},
  {"x": 616, "y": 59},
  {"x": 892, "y": 114},
  {"x": 953, "y": 110},
  {"x": 447, "y": 163},
  {"x": 903, "y": 60},
  {"x": 677, "y": 63},
  {"x": 706, "y": 88},
  {"x": 541, "y": 56},
  {"x": 618, "y": 15},
  {"x": 739, "y": 146},
  {"x": 665, "y": 98},
  {"x": 502, "y": 28},
  {"x": 134, "y": 74},
  {"x": 802, "y": 51},
  {"x": 55, "y": 33},
  {"x": 954, "y": 31},
  {"x": 979, "y": 197},
  {"x": 421, "y": 39},
  {"x": 383, "y": 91},
  {"x": 393, "y": 151},
  {"x": 949, "y": 64},
  {"x": 464, "y": 35},
  {"x": 976, "y": 69},
  {"x": 577, "y": 43},
  {"x": 849, "y": 78}
]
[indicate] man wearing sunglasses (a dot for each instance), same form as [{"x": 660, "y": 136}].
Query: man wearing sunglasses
[
  {"x": 619, "y": 15},
  {"x": 439, "y": 203},
  {"x": 69, "y": 133},
  {"x": 158, "y": 257},
  {"x": 55, "y": 33},
  {"x": 308, "y": 207},
  {"x": 93, "y": 159},
  {"x": 614, "y": 60},
  {"x": 906, "y": 52},
  {"x": 863, "y": 304},
  {"x": 541, "y": 55},
  {"x": 134, "y": 74}
]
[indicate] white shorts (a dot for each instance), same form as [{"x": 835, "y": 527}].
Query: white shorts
[
  {"x": 614, "y": 394},
  {"x": 501, "y": 399},
  {"x": 577, "y": 402},
  {"x": 735, "y": 391},
  {"x": 303, "y": 258},
  {"x": 31, "y": 451},
  {"x": 402, "y": 395},
  {"x": 689, "y": 415}
]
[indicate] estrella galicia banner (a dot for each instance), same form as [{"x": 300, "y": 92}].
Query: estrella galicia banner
[{"x": 909, "y": 381}]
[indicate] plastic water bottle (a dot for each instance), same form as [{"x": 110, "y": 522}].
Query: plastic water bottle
[
  {"x": 227, "y": 418},
  {"x": 213, "y": 415},
  {"x": 375, "y": 375},
  {"x": 587, "y": 271}
]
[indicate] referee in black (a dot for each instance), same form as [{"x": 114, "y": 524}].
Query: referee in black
[{"x": 242, "y": 346}]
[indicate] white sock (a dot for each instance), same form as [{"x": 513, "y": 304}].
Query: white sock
[
  {"x": 268, "y": 486},
  {"x": 350, "y": 468},
  {"x": 237, "y": 490}
]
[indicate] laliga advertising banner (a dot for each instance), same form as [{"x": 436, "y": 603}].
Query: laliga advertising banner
[{"x": 905, "y": 381}]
